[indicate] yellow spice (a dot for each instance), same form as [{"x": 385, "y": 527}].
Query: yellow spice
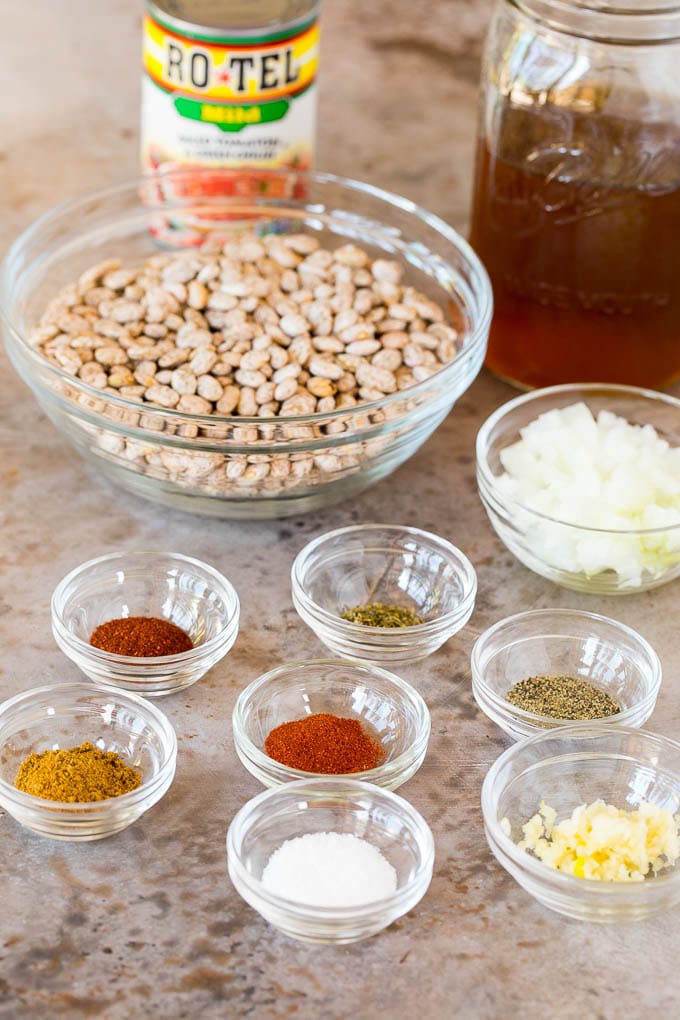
[
  {"x": 605, "y": 843},
  {"x": 76, "y": 775}
]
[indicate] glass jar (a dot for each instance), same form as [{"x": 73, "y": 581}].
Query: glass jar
[{"x": 576, "y": 209}]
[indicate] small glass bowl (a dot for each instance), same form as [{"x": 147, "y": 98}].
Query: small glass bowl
[
  {"x": 330, "y": 805},
  {"x": 564, "y": 642},
  {"x": 383, "y": 563},
  {"x": 391, "y": 709},
  {"x": 188, "y": 593},
  {"x": 550, "y": 546},
  {"x": 66, "y": 715},
  {"x": 567, "y": 768}
]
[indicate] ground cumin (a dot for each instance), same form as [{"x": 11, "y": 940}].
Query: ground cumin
[
  {"x": 142, "y": 636},
  {"x": 324, "y": 743},
  {"x": 77, "y": 775}
]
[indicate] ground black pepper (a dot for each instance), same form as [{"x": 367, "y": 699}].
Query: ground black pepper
[{"x": 562, "y": 697}]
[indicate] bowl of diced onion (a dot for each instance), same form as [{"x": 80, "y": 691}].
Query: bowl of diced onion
[{"x": 582, "y": 484}]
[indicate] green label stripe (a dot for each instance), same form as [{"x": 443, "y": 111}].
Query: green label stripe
[{"x": 229, "y": 117}]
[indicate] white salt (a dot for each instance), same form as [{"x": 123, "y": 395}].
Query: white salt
[{"x": 329, "y": 869}]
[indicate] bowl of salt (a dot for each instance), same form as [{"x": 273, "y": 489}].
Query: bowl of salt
[{"x": 330, "y": 860}]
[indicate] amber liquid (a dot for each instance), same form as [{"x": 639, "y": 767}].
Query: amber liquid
[{"x": 577, "y": 219}]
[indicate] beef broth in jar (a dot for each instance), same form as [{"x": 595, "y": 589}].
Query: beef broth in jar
[{"x": 576, "y": 213}]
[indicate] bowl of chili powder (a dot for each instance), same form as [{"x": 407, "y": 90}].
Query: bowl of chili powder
[{"x": 149, "y": 622}]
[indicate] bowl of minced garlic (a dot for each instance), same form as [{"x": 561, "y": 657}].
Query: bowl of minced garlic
[
  {"x": 587, "y": 820},
  {"x": 604, "y": 843}
]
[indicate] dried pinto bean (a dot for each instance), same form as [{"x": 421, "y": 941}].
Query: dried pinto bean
[
  {"x": 288, "y": 325},
  {"x": 271, "y": 327}
]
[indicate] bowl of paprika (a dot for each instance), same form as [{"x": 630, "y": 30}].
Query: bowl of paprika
[{"x": 331, "y": 717}]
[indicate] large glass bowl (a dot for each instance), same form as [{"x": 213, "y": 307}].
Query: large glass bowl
[
  {"x": 194, "y": 461},
  {"x": 570, "y": 554}
]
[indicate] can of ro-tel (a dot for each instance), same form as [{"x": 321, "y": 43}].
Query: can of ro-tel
[{"x": 229, "y": 83}]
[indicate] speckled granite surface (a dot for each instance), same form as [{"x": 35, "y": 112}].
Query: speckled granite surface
[{"x": 146, "y": 924}]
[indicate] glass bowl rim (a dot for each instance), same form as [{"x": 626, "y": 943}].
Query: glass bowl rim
[
  {"x": 140, "y": 663},
  {"x": 395, "y": 765},
  {"x": 464, "y": 567},
  {"x": 402, "y": 807},
  {"x": 536, "y": 868},
  {"x": 490, "y": 480},
  {"x": 476, "y": 338},
  {"x": 162, "y": 726},
  {"x": 533, "y": 718}
]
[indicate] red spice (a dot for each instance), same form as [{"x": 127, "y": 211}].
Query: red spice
[
  {"x": 324, "y": 743},
  {"x": 143, "y": 636}
]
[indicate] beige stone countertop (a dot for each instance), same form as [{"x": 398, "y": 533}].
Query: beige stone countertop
[{"x": 146, "y": 924}]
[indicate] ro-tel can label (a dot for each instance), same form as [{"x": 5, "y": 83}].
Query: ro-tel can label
[{"x": 209, "y": 100}]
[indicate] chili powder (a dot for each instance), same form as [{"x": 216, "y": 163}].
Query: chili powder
[
  {"x": 326, "y": 744},
  {"x": 142, "y": 636}
]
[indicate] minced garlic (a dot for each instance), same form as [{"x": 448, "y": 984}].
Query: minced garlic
[{"x": 605, "y": 843}]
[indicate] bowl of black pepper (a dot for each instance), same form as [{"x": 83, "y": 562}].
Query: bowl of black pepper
[
  {"x": 149, "y": 622},
  {"x": 383, "y": 593},
  {"x": 548, "y": 668}
]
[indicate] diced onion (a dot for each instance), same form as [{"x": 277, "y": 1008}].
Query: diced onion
[{"x": 597, "y": 473}]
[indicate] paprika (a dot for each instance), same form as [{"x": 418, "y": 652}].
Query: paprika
[{"x": 326, "y": 744}]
